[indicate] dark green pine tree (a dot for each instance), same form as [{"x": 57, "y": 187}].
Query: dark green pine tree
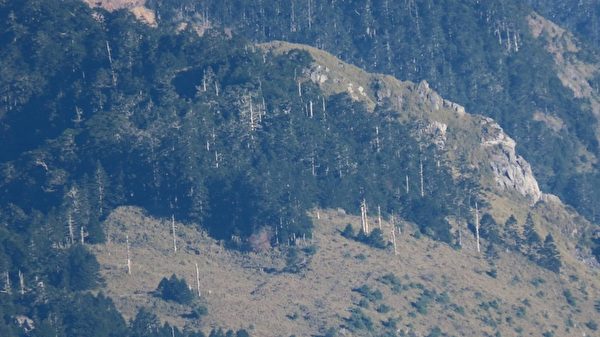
[
  {"x": 531, "y": 235},
  {"x": 175, "y": 289},
  {"x": 532, "y": 238},
  {"x": 512, "y": 237},
  {"x": 549, "y": 255}
]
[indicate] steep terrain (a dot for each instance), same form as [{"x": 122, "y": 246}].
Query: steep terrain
[
  {"x": 483, "y": 55},
  {"x": 474, "y": 293},
  {"x": 478, "y": 146},
  {"x": 458, "y": 290},
  {"x": 202, "y": 129}
]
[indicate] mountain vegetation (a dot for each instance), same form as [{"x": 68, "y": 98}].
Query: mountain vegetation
[
  {"x": 100, "y": 110},
  {"x": 192, "y": 121},
  {"x": 480, "y": 54}
]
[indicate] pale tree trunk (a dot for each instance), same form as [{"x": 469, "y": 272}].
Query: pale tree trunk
[
  {"x": 393, "y": 221},
  {"x": 477, "y": 226},
  {"x": 70, "y": 223},
  {"x": 112, "y": 70},
  {"x": 174, "y": 234},
  {"x": 421, "y": 174},
  {"x": 7, "y": 287},
  {"x": 364, "y": 217},
  {"x": 198, "y": 280},
  {"x": 21, "y": 283},
  {"x": 377, "y": 139},
  {"x": 128, "y": 255}
]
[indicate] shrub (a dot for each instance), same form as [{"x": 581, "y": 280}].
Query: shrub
[
  {"x": 393, "y": 281},
  {"x": 371, "y": 295},
  {"x": 175, "y": 289},
  {"x": 570, "y": 298},
  {"x": 435, "y": 332},
  {"x": 292, "y": 261},
  {"x": 383, "y": 308},
  {"x": 373, "y": 239},
  {"x": 592, "y": 325},
  {"x": 358, "y": 320},
  {"x": 376, "y": 239},
  {"x": 348, "y": 232},
  {"x": 198, "y": 311},
  {"x": 422, "y": 303}
]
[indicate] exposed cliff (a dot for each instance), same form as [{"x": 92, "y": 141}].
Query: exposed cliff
[
  {"x": 476, "y": 145},
  {"x": 491, "y": 150}
]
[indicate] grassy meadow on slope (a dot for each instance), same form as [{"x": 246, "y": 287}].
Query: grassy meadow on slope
[{"x": 346, "y": 285}]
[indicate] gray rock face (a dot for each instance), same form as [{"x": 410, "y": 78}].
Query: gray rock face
[{"x": 510, "y": 170}]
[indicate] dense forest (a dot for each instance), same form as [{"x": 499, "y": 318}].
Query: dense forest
[
  {"x": 98, "y": 110},
  {"x": 479, "y": 54}
]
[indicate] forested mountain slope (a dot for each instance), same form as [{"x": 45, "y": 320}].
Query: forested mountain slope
[
  {"x": 196, "y": 125},
  {"x": 480, "y": 54}
]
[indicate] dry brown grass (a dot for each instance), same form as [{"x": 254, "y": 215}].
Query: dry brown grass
[
  {"x": 240, "y": 295},
  {"x": 136, "y": 7}
]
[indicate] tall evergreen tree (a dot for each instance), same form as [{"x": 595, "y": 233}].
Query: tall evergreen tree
[{"x": 549, "y": 255}]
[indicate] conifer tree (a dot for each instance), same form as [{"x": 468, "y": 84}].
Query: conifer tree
[
  {"x": 531, "y": 235},
  {"x": 549, "y": 255},
  {"x": 513, "y": 237}
]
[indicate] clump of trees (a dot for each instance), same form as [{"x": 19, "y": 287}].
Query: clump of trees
[
  {"x": 374, "y": 238},
  {"x": 175, "y": 289},
  {"x": 543, "y": 252}
]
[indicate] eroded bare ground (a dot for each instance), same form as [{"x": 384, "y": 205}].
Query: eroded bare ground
[
  {"x": 243, "y": 291},
  {"x": 136, "y": 7}
]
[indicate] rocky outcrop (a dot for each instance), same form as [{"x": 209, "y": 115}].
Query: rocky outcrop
[
  {"x": 443, "y": 123},
  {"x": 511, "y": 171}
]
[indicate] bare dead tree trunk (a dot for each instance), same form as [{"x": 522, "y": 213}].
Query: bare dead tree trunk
[
  {"x": 112, "y": 70},
  {"x": 477, "y": 226},
  {"x": 198, "y": 280},
  {"x": 377, "y": 139},
  {"x": 407, "y": 188},
  {"x": 174, "y": 234},
  {"x": 299, "y": 89},
  {"x": 71, "y": 230},
  {"x": 393, "y": 223},
  {"x": 379, "y": 216},
  {"x": 81, "y": 235},
  {"x": 309, "y": 14},
  {"x": 128, "y": 255},
  {"x": 364, "y": 216},
  {"x": 421, "y": 173},
  {"x": 21, "y": 283},
  {"x": 7, "y": 287}
]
